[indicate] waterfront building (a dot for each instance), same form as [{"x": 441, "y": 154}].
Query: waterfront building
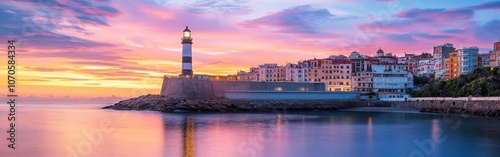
[
  {"x": 495, "y": 55},
  {"x": 454, "y": 72},
  {"x": 254, "y": 71},
  {"x": 483, "y": 60},
  {"x": 410, "y": 62},
  {"x": 416, "y": 58},
  {"x": 292, "y": 73},
  {"x": 467, "y": 59},
  {"x": 312, "y": 70},
  {"x": 441, "y": 52},
  {"x": 336, "y": 73},
  {"x": 425, "y": 67},
  {"x": 362, "y": 76},
  {"x": 391, "y": 80},
  {"x": 271, "y": 72},
  {"x": 241, "y": 76},
  {"x": 495, "y": 58},
  {"x": 446, "y": 74}
]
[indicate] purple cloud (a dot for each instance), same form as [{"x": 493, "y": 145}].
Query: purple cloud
[
  {"x": 488, "y": 5},
  {"x": 86, "y": 11},
  {"x": 401, "y": 38},
  {"x": 432, "y": 36},
  {"x": 300, "y": 19},
  {"x": 490, "y": 31},
  {"x": 453, "y": 31},
  {"x": 18, "y": 24},
  {"x": 220, "y": 6},
  {"x": 437, "y": 14},
  {"x": 81, "y": 55}
]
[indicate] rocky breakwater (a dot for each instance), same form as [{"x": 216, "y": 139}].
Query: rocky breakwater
[
  {"x": 474, "y": 108},
  {"x": 165, "y": 104}
]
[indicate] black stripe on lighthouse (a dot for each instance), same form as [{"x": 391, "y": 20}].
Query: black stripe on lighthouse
[{"x": 186, "y": 60}]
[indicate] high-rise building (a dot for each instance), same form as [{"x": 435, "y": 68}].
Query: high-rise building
[
  {"x": 454, "y": 72},
  {"x": 467, "y": 59},
  {"x": 440, "y": 53}
]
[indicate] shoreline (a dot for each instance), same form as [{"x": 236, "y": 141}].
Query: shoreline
[
  {"x": 382, "y": 109},
  {"x": 166, "y": 104}
]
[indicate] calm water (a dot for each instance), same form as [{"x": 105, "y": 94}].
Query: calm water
[{"x": 59, "y": 130}]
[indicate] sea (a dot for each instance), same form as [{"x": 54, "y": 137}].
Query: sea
[{"x": 86, "y": 130}]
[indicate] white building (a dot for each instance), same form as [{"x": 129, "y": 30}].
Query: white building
[
  {"x": 292, "y": 73},
  {"x": 425, "y": 67},
  {"x": 391, "y": 80},
  {"x": 271, "y": 73}
]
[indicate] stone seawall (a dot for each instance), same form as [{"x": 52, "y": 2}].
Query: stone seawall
[
  {"x": 166, "y": 104},
  {"x": 475, "y": 108},
  {"x": 189, "y": 88}
]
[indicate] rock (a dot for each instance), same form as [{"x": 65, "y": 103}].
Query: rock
[{"x": 165, "y": 104}]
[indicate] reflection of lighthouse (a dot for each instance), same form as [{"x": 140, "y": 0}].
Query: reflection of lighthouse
[
  {"x": 187, "y": 65},
  {"x": 188, "y": 137}
]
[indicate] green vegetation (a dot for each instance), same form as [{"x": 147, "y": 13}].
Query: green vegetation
[{"x": 482, "y": 81}]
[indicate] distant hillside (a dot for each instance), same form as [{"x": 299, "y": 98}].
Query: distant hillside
[{"x": 482, "y": 81}]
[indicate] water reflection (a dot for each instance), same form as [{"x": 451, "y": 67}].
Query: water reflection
[
  {"x": 247, "y": 134},
  {"x": 370, "y": 129},
  {"x": 188, "y": 129}
]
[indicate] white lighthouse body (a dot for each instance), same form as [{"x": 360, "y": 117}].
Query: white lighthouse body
[{"x": 187, "y": 59}]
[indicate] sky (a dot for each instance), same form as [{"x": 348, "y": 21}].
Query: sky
[{"x": 112, "y": 49}]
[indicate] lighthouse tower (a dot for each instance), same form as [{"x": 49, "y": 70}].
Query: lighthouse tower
[{"x": 187, "y": 42}]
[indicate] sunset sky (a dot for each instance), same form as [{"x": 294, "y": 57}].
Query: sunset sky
[{"x": 83, "y": 49}]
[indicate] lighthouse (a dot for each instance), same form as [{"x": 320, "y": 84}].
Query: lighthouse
[{"x": 187, "y": 64}]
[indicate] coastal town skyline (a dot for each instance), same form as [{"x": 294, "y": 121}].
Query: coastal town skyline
[{"x": 226, "y": 38}]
